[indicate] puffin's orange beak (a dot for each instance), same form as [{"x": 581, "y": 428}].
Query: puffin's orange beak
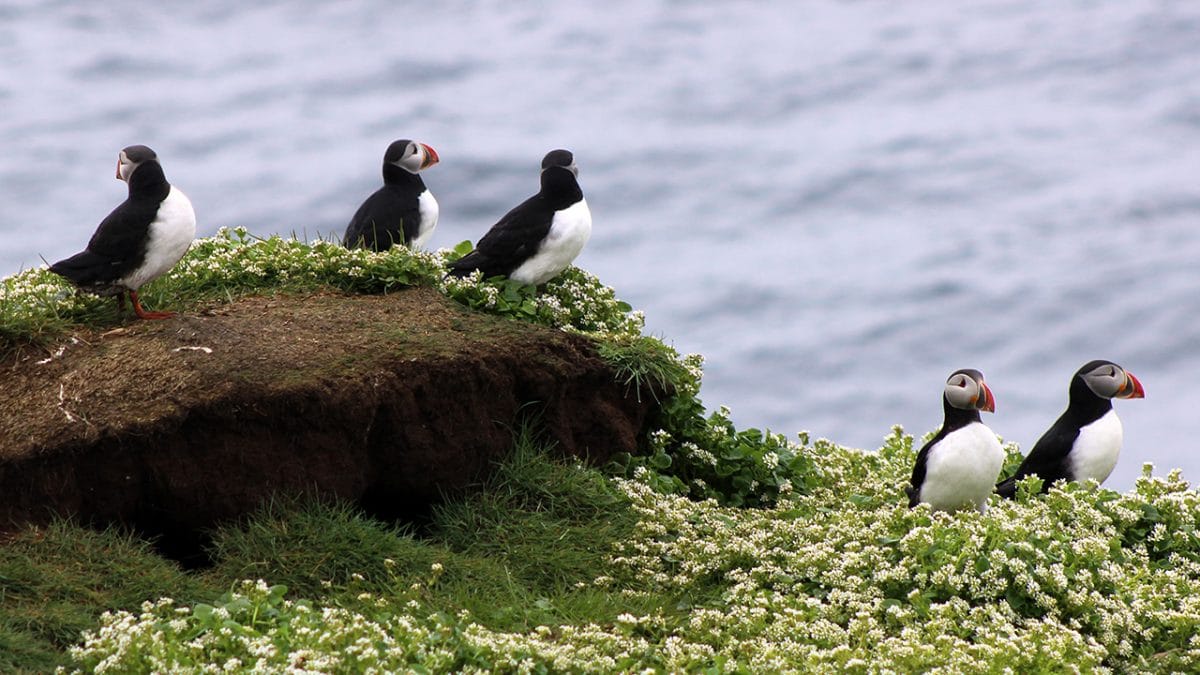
[
  {"x": 1132, "y": 388},
  {"x": 989, "y": 404},
  {"x": 431, "y": 157}
]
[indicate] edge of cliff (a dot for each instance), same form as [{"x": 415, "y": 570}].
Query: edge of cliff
[{"x": 390, "y": 401}]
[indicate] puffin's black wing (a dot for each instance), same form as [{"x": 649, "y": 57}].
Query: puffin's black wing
[
  {"x": 1047, "y": 459},
  {"x": 511, "y": 241},
  {"x": 116, "y": 248},
  {"x": 384, "y": 219},
  {"x": 918, "y": 475}
]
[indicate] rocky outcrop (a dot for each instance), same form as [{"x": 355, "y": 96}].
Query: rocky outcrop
[{"x": 391, "y": 401}]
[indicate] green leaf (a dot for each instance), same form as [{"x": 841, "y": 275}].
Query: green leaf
[{"x": 1150, "y": 513}]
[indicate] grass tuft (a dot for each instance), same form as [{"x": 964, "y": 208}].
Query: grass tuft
[
  {"x": 56, "y": 581},
  {"x": 521, "y": 550},
  {"x": 644, "y": 363},
  {"x": 553, "y": 523},
  {"x": 310, "y": 546}
]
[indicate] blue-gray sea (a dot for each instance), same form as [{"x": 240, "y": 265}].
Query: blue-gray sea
[{"x": 837, "y": 203}]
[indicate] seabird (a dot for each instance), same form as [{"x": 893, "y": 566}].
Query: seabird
[
  {"x": 960, "y": 464},
  {"x": 1084, "y": 441},
  {"x": 539, "y": 238},
  {"x": 403, "y": 211},
  {"x": 140, "y": 240}
]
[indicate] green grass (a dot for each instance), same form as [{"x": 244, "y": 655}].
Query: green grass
[
  {"x": 644, "y": 364},
  {"x": 56, "y": 581},
  {"x": 521, "y": 550},
  {"x": 312, "y": 545},
  {"x": 553, "y": 528}
]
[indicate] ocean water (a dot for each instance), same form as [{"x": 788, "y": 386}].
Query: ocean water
[{"x": 838, "y": 203}]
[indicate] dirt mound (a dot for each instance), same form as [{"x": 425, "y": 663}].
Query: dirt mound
[{"x": 391, "y": 401}]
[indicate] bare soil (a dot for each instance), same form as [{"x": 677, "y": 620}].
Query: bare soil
[{"x": 392, "y": 401}]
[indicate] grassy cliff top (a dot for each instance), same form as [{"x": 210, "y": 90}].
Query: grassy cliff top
[
  {"x": 714, "y": 548},
  {"x": 37, "y": 307}
]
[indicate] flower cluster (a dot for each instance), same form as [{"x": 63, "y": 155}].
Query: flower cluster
[
  {"x": 35, "y": 299},
  {"x": 37, "y": 303},
  {"x": 254, "y": 629},
  {"x": 575, "y": 300},
  {"x": 1081, "y": 578},
  {"x": 234, "y": 260}
]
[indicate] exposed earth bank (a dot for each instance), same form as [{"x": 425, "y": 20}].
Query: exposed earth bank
[{"x": 391, "y": 401}]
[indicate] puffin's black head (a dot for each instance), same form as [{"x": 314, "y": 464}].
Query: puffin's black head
[
  {"x": 563, "y": 158},
  {"x": 131, "y": 158},
  {"x": 410, "y": 155},
  {"x": 1108, "y": 380},
  {"x": 966, "y": 390}
]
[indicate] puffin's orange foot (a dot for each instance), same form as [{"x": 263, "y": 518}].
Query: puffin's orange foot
[{"x": 143, "y": 314}]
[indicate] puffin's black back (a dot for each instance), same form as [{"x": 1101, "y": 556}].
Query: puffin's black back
[
  {"x": 953, "y": 420},
  {"x": 1048, "y": 458},
  {"x": 391, "y": 215},
  {"x": 519, "y": 234},
  {"x": 119, "y": 243}
]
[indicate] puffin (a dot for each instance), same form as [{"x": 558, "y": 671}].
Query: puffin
[
  {"x": 403, "y": 211},
  {"x": 538, "y": 238},
  {"x": 959, "y": 465},
  {"x": 1085, "y": 440},
  {"x": 140, "y": 240}
]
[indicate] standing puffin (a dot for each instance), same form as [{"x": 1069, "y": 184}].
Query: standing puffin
[
  {"x": 960, "y": 464},
  {"x": 140, "y": 240},
  {"x": 540, "y": 237},
  {"x": 403, "y": 211},
  {"x": 1085, "y": 440}
]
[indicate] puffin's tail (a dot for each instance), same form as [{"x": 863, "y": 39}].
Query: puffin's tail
[
  {"x": 84, "y": 268},
  {"x": 1007, "y": 488},
  {"x": 467, "y": 264},
  {"x": 913, "y": 498}
]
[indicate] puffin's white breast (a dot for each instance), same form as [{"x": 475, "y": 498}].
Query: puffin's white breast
[
  {"x": 962, "y": 468},
  {"x": 428, "y": 208},
  {"x": 169, "y": 237},
  {"x": 1095, "y": 452},
  {"x": 569, "y": 231}
]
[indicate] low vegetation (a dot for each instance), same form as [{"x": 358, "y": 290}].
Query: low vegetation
[
  {"x": 554, "y": 566},
  {"x": 713, "y": 549},
  {"x": 37, "y": 306}
]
